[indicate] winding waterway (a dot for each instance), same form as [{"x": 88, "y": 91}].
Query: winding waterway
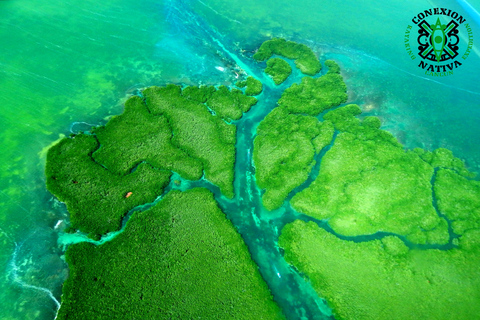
[
  {"x": 260, "y": 228},
  {"x": 189, "y": 48}
]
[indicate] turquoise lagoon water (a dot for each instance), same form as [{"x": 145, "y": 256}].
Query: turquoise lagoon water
[{"x": 67, "y": 65}]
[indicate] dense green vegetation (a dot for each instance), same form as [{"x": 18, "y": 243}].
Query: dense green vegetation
[
  {"x": 135, "y": 136},
  {"x": 173, "y": 130},
  {"x": 278, "y": 69},
  {"x": 314, "y": 95},
  {"x": 284, "y": 152},
  {"x": 333, "y": 67},
  {"x": 230, "y": 105},
  {"x": 324, "y": 137},
  {"x": 369, "y": 183},
  {"x": 383, "y": 279},
  {"x": 288, "y": 139},
  {"x": 444, "y": 158},
  {"x": 459, "y": 199},
  {"x": 195, "y": 130},
  {"x": 198, "y": 94},
  {"x": 304, "y": 57},
  {"x": 181, "y": 259},
  {"x": 95, "y": 197},
  {"x": 254, "y": 86}
]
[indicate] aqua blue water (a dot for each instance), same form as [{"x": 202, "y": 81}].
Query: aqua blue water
[{"x": 66, "y": 65}]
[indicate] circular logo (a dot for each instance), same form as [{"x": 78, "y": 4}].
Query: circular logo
[{"x": 441, "y": 38}]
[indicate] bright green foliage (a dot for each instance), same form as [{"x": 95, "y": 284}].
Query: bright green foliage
[
  {"x": 344, "y": 118},
  {"x": 181, "y": 259},
  {"x": 241, "y": 84},
  {"x": 368, "y": 183},
  {"x": 443, "y": 158},
  {"x": 278, "y": 69},
  {"x": 199, "y": 133},
  {"x": 373, "y": 122},
  {"x": 199, "y": 94},
  {"x": 254, "y": 87},
  {"x": 470, "y": 241},
  {"x": 459, "y": 199},
  {"x": 379, "y": 280},
  {"x": 284, "y": 152},
  {"x": 324, "y": 138},
  {"x": 174, "y": 130},
  {"x": 333, "y": 67},
  {"x": 136, "y": 136},
  {"x": 95, "y": 197},
  {"x": 315, "y": 95},
  {"x": 305, "y": 59},
  {"x": 287, "y": 139},
  {"x": 394, "y": 246},
  {"x": 438, "y": 234},
  {"x": 230, "y": 105}
]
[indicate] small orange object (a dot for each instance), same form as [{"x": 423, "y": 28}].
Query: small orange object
[{"x": 128, "y": 194}]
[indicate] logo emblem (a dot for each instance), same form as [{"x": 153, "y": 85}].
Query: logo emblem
[
  {"x": 441, "y": 38},
  {"x": 438, "y": 42}
]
